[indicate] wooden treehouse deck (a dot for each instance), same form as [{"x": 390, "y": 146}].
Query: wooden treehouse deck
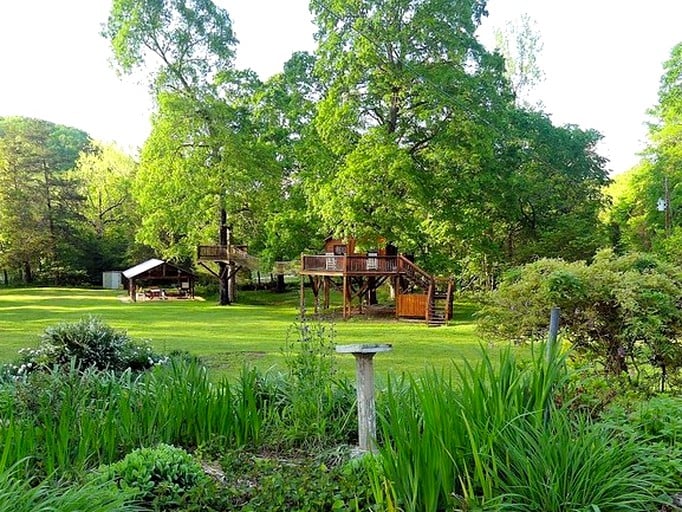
[{"x": 417, "y": 293}]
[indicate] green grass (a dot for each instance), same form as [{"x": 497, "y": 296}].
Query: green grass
[{"x": 253, "y": 331}]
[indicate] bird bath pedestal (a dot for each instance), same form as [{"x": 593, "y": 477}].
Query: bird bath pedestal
[{"x": 364, "y": 354}]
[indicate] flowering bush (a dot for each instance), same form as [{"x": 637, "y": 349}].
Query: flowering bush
[{"x": 86, "y": 343}]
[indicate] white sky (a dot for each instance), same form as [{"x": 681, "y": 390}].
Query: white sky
[{"x": 602, "y": 60}]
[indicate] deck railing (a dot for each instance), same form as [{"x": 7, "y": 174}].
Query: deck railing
[
  {"x": 355, "y": 263},
  {"x": 219, "y": 252}
]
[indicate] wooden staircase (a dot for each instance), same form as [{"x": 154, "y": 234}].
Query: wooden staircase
[
  {"x": 440, "y": 303},
  {"x": 439, "y": 292}
]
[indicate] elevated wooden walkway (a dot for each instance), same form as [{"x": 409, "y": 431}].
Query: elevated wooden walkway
[{"x": 417, "y": 293}]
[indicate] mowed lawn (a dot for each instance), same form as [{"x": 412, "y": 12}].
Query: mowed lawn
[{"x": 253, "y": 331}]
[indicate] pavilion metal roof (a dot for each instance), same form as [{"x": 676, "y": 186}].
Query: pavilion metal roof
[{"x": 143, "y": 267}]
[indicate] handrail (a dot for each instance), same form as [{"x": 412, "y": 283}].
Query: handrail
[{"x": 405, "y": 264}]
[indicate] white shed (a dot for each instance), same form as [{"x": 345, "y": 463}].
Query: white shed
[{"x": 112, "y": 280}]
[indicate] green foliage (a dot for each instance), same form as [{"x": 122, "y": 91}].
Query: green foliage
[
  {"x": 319, "y": 408},
  {"x": 642, "y": 191},
  {"x": 104, "y": 180},
  {"x": 162, "y": 477},
  {"x": 295, "y": 481},
  {"x": 439, "y": 436},
  {"x": 569, "y": 464},
  {"x": 68, "y": 421},
  {"x": 621, "y": 310},
  {"x": 656, "y": 423},
  {"x": 429, "y": 150},
  {"x": 497, "y": 441},
  {"x": 23, "y": 495},
  {"x": 38, "y": 200},
  {"x": 87, "y": 343}
]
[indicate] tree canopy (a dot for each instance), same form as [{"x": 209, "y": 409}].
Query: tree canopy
[{"x": 400, "y": 125}]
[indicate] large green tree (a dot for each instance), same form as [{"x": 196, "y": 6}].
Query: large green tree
[
  {"x": 104, "y": 176},
  {"x": 429, "y": 150},
  {"x": 648, "y": 199},
  {"x": 203, "y": 167},
  {"x": 399, "y": 76},
  {"x": 39, "y": 204}
]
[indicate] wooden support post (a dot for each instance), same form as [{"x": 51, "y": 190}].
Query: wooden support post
[
  {"x": 302, "y": 298},
  {"x": 327, "y": 285},
  {"x": 345, "y": 296},
  {"x": 449, "y": 299},
  {"x": 367, "y": 427}
]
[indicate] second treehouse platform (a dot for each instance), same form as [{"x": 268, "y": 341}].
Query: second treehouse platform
[{"x": 417, "y": 293}]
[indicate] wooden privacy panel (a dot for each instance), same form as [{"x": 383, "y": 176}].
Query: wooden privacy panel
[{"x": 412, "y": 305}]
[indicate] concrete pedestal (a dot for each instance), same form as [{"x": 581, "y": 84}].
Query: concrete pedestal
[{"x": 364, "y": 365}]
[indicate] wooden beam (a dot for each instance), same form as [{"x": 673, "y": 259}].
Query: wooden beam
[{"x": 209, "y": 269}]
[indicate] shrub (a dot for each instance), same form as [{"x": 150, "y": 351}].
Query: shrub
[
  {"x": 89, "y": 342},
  {"x": 163, "y": 477},
  {"x": 623, "y": 311},
  {"x": 657, "y": 424}
]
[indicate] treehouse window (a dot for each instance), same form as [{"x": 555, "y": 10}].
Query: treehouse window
[{"x": 339, "y": 250}]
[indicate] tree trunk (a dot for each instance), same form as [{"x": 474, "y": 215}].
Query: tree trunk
[
  {"x": 27, "y": 273},
  {"x": 280, "y": 287},
  {"x": 231, "y": 282},
  {"x": 616, "y": 363}
]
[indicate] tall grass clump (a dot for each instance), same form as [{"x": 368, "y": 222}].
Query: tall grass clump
[
  {"x": 21, "y": 495},
  {"x": 491, "y": 438},
  {"x": 573, "y": 464},
  {"x": 67, "y": 421}
]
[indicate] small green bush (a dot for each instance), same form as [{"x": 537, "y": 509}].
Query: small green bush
[
  {"x": 657, "y": 425},
  {"x": 87, "y": 343},
  {"x": 163, "y": 477}
]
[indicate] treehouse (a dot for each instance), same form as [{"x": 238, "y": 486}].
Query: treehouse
[
  {"x": 358, "y": 275},
  {"x": 229, "y": 259}
]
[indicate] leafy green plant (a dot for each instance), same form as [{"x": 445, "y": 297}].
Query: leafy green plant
[
  {"x": 657, "y": 425},
  {"x": 439, "y": 433},
  {"x": 569, "y": 464},
  {"x": 162, "y": 477},
  {"x": 69, "y": 421},
  {"x": 319, "y": 405},
  {"x": 88, "y": 342},
  {"x": 330, "y": 480}
]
